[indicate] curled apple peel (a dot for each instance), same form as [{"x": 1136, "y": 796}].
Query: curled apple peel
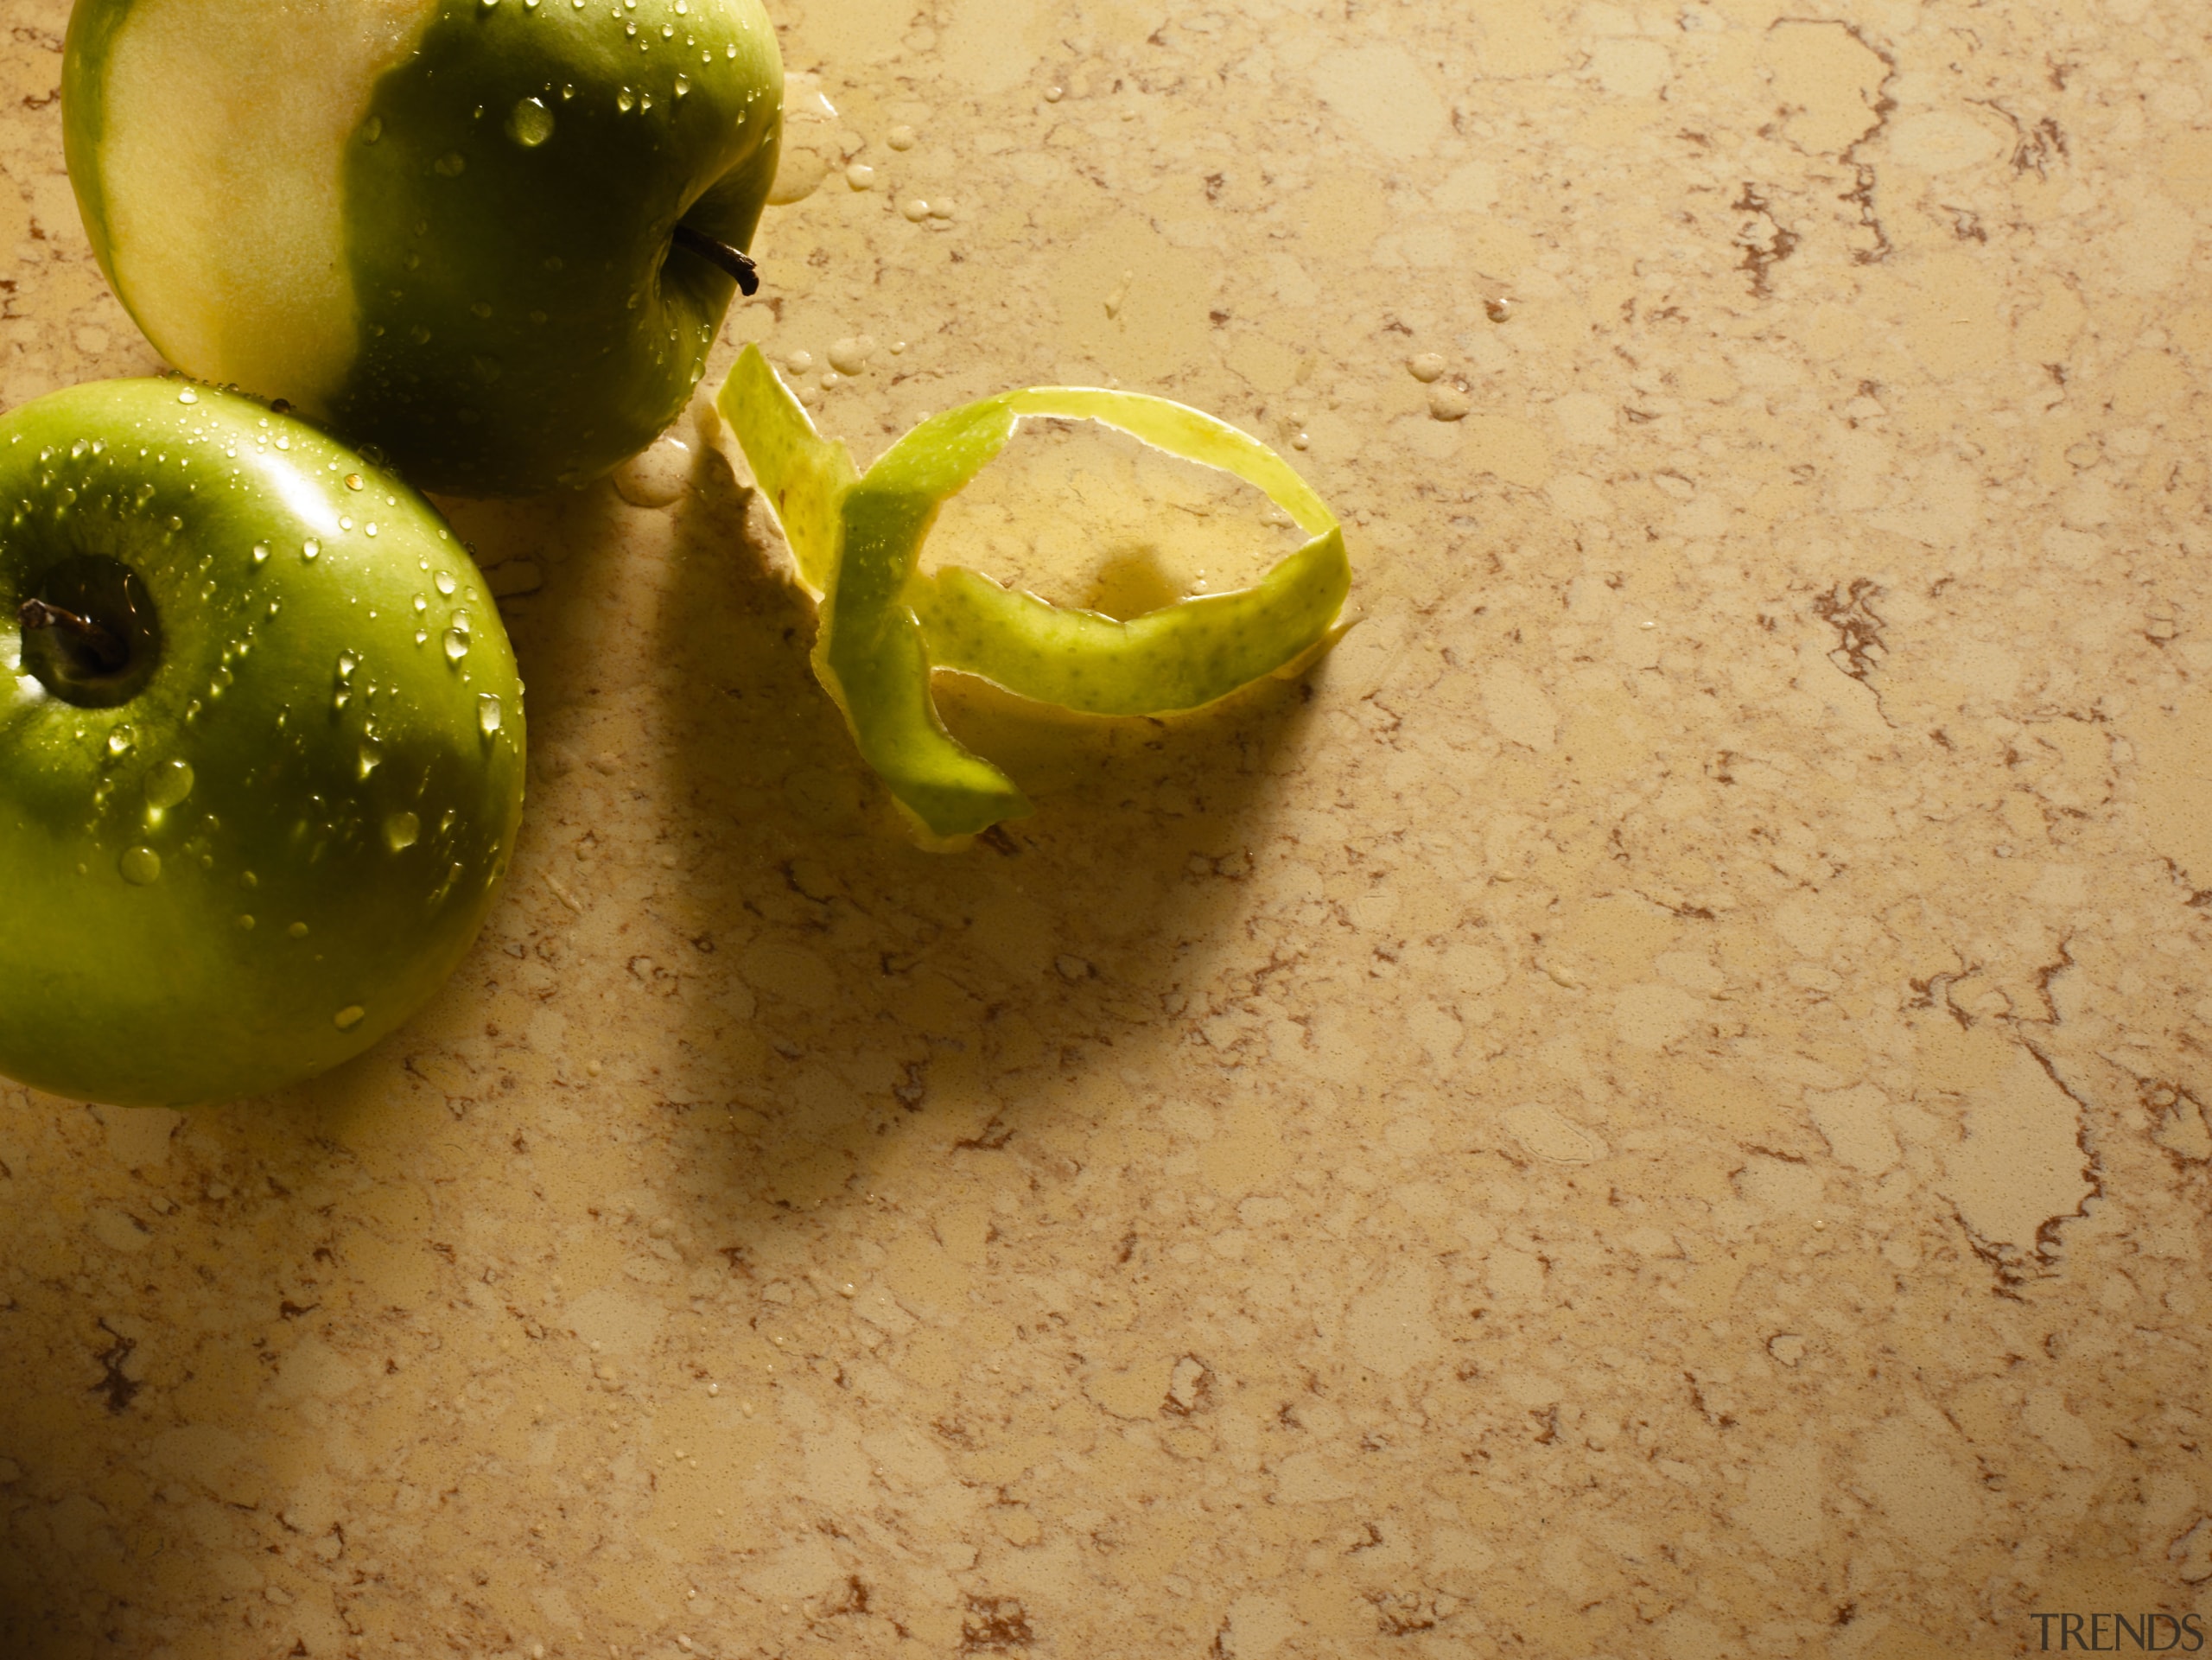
[{"x": 885, "y": 626}]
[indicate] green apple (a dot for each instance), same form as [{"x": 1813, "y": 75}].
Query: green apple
[
  {"x": 493, "y": 239},
  {"x": 261, "y": 746}
]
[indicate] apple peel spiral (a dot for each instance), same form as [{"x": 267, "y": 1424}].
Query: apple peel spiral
[{"x": 886, "y": 625}]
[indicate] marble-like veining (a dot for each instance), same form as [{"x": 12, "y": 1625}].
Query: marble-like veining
[{"x": 1654, "y": 1104}]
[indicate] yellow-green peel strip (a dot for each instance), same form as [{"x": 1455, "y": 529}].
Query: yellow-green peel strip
[{"x": 857, "y": 540}]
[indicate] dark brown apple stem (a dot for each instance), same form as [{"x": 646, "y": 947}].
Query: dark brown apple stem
[
  {"x": 37, "y": 614},
  {"x": 738, "y": 265}
]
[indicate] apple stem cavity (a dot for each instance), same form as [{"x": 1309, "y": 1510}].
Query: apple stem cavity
[
  {"x": 738, "y": 265},
  {"x": 112, "y": 652}
]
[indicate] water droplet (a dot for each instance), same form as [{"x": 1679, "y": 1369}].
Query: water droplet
[
  {"x": 657, "y": 475},
  {"x": 345, "y": 522},
  {"x": 626, "y": 100},
  {"x": 187, "y": 395},
  {"x": 422, "y": 635},
  {"x": 683, "y": 86},
  {"x": 850, "y": 355},
  {"x": 451, "y": 165},
  {"x": 260, "y": 552},
  {"x": 401, "y": 830},
  {"x": 168, "y": 784},
  {"x": 284, "y": 441},
  {"x": 370, "y": 758},
  {"x": 373, "y": 129},
  {"x": 456, "y": 645},
  {"x": 530, "y": 123},
  {"x": 860, "y": 176},
  {"x": 488, "y": 713},
  {"x": 421, "y": 605},
  {"x": 310, "y": 548},
  {"x": 352, "y": 1015},
  {"x": 645, "y": 100},
  {"x": 298, "y": 931},
  {"x": 485, "y": 367},
  {"x": 900, "y": 137},
  {"x": 140, "y": 866},
  {"x": 915, "y": 210},
  {"x": 369, "y": 529},
  {"x": 445, "y": 582},
  {"x": 346, "y": 664},
  {"x": 354, "y": 482},
  {"x": 246, "y": 924},
  {"x": 120, "y": 738}
]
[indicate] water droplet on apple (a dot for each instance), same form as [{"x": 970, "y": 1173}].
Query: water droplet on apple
[
  {"x": 140, "y": 866},
  {"x": 120, "y": 738},
  {"x": 187, "y": 395},
  {"x": 352, "y": 1015},
  {"x": 456, "y": 645},
  {"x": 373, "y": 129},
  {"x": 369, "y": 529},
  {"x": 626, "y": 100},
  {"x": 645, "y": 100},
  {"x": 298, "y": 931},
  {"x": 260, "y": 552},
  {"x": 168, "y": 784},
  {"x": 439, "y": 893},
  {"x": 246, "y": 923},
  {"x": 401, "y": 830},
  {"x": 310, "y": 548},
  {"x": 422, "y": 636},
  {"x": 445, "y": 582},
  {"x": 451, "y": 165},
  {"x": 354, "y": 482},
  {"x": 370, "y": 758},
  {"x": 488, "y": 713},
  {"x": 346, "y": 664},
  {"x": 683, "y": 86},
  {"x": 530, "y": 123}
]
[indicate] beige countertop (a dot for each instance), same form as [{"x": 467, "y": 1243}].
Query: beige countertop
[{"x": 1653, "y": 1104}]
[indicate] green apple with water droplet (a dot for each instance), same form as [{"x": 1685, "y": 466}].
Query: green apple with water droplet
[
  {"x": 261, "y": 746},
  {"x": 492, "y": 238}
]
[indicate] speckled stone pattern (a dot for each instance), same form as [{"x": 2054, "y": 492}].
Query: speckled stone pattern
[{"x": 1652, "y": 1104}]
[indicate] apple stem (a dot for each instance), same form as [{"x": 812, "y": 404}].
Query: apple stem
[
  {"x": 738, "y": 265},
  {"x": 112, "y": 652}
]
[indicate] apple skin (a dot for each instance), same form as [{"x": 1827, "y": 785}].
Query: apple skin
[
  {"x": 440, "y": 227},
  {"x": 351, "y": 789}
]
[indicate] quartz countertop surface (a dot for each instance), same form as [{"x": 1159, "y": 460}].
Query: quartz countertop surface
[{"x": 1652, "y": 1103}]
